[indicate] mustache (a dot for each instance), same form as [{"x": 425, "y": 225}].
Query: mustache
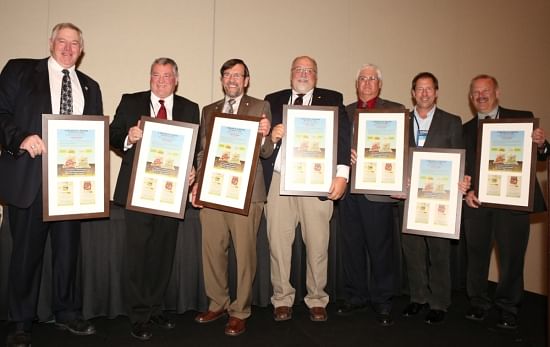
[{"x": 482, "y": 99}]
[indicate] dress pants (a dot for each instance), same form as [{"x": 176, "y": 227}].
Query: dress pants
[
  {"x": 218, "y": 229},
  {"x": 29, "y": 235},
  {"x": 428, "y": 270},
  {"x": 150, "y": 247},
  {"x": 366, "y": 230},
  {"x": 283, "y": 213},
  {"x": 510, "y": 231}
]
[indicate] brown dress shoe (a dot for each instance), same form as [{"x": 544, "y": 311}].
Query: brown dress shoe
[
  {"x": 282, "y": 313},
  {"x": 235, "y": 326},
  {"x": 318, "y": 314},
  {"x": 209, "y": 316}
]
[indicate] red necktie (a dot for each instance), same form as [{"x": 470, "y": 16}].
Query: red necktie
[{"x": 162, "y": 111}]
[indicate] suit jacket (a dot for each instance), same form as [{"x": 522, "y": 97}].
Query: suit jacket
[
  {"x": 128, "y": 112},
  {"x": 24, "y": 97},
  {"x": 249, "y": 106},
  {"x": 470, "y": 132},
  {"x": 383, "y": 105},
  {"x": 320, "y": 97},
  {"x": 445, "y": 131}
]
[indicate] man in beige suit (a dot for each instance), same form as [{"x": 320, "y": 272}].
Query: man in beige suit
[{"x": 219, "y": 227}]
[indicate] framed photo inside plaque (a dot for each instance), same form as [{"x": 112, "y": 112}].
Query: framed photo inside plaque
[
  {"x": 381, "y": 139},
  {"x": 506, "y": 163},
  {"x": 229, "y": 164},
  {"x": 434, "y": 204},
  {"x": 308, "y": 161},
  {"x": 75, "y": 167},
  {"x": 161, "y": 167}
]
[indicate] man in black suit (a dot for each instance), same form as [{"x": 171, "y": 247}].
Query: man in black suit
[
  {"x": 428, "y": 258},
  {"x": 484, "y": 225},
  {"x": 283, "y": 213},
  {"x": 367, "y": 224},
  {"x": 150, "y": 239},
  {"x": 28, "y": 89}
]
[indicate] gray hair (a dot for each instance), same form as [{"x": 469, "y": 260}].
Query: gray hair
[
  {"x": 61, "y": 26},
  {"x": 166, "y": 61},
  {"x": 370, "y": 66}
]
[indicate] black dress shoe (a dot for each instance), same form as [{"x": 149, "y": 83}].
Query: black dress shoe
[
  {"x": 19, "y": 338},
  {"x": 413, "y": 309},
  {"x": 347, "y": 309},
  {"x": 435, "y": 317},
  {"x": 508, "y": 320},
  {"x": 141, "y": 331},
  {"x": 77, "y": 326},
  {"x": 384, "y": 319},
  {"x": 163, "y": 322},
  {"x": 476, "y": 313}
]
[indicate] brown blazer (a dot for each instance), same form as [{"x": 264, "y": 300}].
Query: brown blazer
[{"x": 249, "y": 106}]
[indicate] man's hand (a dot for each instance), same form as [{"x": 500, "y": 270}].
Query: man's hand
[
  {"x": 265, "y": 125},
  {"x": 337, "y": 188},
  {"x": 34, "y": 145},
  {"x": 277, "y": 132},
  {"x": 353, "y": 158},
  {"x": 192, "y": 175},
  {"x": 194, "y": 192},
  {"x": 134, "y": 134},
  {"x": 471, "y": 199},
  {"x": 464, "y": 186},
  {"x": 538, "y": 137}
]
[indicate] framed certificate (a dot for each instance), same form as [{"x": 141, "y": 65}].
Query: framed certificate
[
  {"x": 381, "y": 139},
  {"x": 161, "y": 167},
  {"x": 434, "y": 204},
  {"x": 506, "y": 163},
  {"x": 75, "y": 167},
  {"x": 308, "y": 161},
  {"x": 229, "y": 166}
]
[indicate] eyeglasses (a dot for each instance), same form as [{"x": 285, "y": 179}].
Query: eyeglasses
[
  {"x": 306, "y": 70},
  {"x": 158, "y": 76},
  {"x": 367, "y": 79},
  {"x": 235, "y": 75}
]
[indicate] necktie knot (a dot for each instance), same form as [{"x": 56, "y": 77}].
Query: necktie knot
[
  {"x": 230, "y": 109},
  {"x": 66, "y": 104},
  {"x": 299, "y": 100},
  {"x": 161, "y": 114}
]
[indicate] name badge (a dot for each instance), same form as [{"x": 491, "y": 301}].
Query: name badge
[{"x": 421, "y": 137}]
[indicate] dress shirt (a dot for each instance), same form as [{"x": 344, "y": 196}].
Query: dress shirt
[{"x": 55, "y": 75}]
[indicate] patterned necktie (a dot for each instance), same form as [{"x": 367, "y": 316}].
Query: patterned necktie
[
  {"x": 230, "y": 109},
  {"x": 66, "y": 105},
  {"x": 162, "y": 111},
  {"x": 299, "y": 100}
]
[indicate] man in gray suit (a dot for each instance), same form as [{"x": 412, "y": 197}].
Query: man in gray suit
[
  {"x": 428, "y": 258},
  {"x": 367, "y": 224},
  {"x": 218, "y": 227}
]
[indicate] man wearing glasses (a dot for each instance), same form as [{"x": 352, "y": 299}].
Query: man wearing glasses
[
  {"x": 368, "y": 224},
  {"x": 284, "y": 213},
  {"x": 219, "y": 227}
]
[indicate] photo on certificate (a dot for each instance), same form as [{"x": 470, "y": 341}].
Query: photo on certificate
[
  {"x": 161, "y": 167},
  {"x": 381, "y": 140},
  {"x": 434, "y": 203},
  {"x": 75, "y": 167},
  {"x": 309, "y": 147},
  {"x": 506, "y": 164},
  {"x": 229, "y": 165}
]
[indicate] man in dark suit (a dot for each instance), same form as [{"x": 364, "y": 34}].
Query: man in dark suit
[
  {"x": 150, "y": 239},
  {"x": 28, "y": 89},
  {"x": 428, "y": 258},
  {"x": 367, "y": 224},
  {"x": 219, "y": 227},
  {"x": 283, "y": 213},
  {"x": 484, "y": 225}
]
